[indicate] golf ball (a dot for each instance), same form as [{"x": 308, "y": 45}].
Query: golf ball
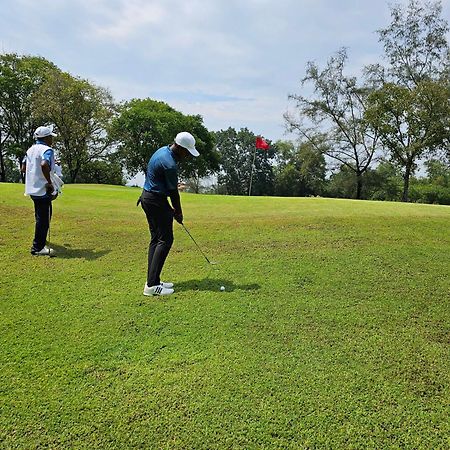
[{"x": 222, "y": 288}]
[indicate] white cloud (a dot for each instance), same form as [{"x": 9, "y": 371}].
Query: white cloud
[
  {"x": 232, "y": 61},
  {"x": 131, "y": 17}
]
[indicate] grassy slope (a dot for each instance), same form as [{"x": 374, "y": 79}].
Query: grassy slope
[{"x": 333, "y": 331}]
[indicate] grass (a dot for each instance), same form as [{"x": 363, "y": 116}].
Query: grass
[{"x": 333, "y": 331}]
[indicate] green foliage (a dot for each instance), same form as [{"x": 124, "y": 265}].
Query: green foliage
[
  {"x": 101, "y": 172},
  {"x": 341, "y": 183},
  {"x": 384, "y": 183},
  {"x": 144, "y": 126},
  {"x": 237, "y": 153},
  {"x": 81, "y": 112},
  {"x": 10, "y": 170},
  {"x": 435, "y": 188},
  {"x": 20, "y": 79},
  {"x": 415, "y": 42},
  {"x": 299, "y": 171},
  {"x": 332, "y": 332},
  {"x": 438, "y": 172},
  {"x": 411, "y": 121},
  {"x": 333, "y": 118},
  {"x": 422, "y": 192}
]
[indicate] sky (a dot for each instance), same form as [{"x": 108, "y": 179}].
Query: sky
[{"x": 233, "y": 62}]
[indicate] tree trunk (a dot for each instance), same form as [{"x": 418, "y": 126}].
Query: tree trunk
[
  {"x": 2, "y": 160},
  {"x": 406, "y": 177},
  {"x": 2, "y": 165},
  {"x": 359, "y": 184}
]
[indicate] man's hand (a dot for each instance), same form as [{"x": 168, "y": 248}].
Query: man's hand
[
  {"x": 49, "y": 188},
  {"x": 178, "y": 216}
]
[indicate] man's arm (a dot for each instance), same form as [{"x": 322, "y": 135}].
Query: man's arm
[
  {"x": 176, "y": 205},
  {"x": 45, "y": 166}
]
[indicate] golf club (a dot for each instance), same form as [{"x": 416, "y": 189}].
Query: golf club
[
  {"x": 200, "y": 250},
  {"x": 49, "y": 228}
]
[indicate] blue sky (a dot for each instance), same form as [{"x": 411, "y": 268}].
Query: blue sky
[{"x": 233, "y": 62}]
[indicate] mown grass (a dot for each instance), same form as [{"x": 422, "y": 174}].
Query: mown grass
[{"x": 333, "y": 332}]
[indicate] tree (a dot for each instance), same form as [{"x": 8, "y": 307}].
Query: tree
[
  {"x": 208, "y": 163},
  {"x": 101, "y": 172},
  {"x": 410, "y": 106},
  {"x": 415, "y": 43},
  {"x": 383, "y": 183},
  {"x": 81, "y": 112},
  {"x": 237, "y": 150},
  {"x": 4, "y": 135},
  {"x": 144, "y": 126},
  {"x": 299, "y": 171},
  {"x": 412, "y": 122},
  {"x": 20, "y": 79},
  {"x": 438, "y": 173},
  {"x": 332, "y": 120}
]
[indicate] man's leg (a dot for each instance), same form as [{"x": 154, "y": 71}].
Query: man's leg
[
  {"x": 153, "y": 238},
  {"x": 161, "y": 222},
  {"x": 42, "y": 213}
]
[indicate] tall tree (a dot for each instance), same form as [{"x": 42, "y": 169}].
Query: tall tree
[
  {"x": 412, "y": 122},
  {"x": 81, "y": 112},
  {"x": 410, "y": 106},
  {"x": 237, "y": 151},
  {"x": 20, "y": 79},
  {"x": 332, "y": 119},
  {"x": 143, "y": 126},
  {"x": 415, "y": 43}
]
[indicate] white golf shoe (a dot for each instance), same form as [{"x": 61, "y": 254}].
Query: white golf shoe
[
  {"x": 157, "y": 290},
  {"x": 46, "y": 251},
  {"x": 163, "y": 284}
]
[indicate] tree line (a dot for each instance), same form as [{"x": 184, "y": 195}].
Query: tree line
[{"x": 359, "y": 137}]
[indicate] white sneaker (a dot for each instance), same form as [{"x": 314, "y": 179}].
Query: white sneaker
[
  {"x": 157, "y": 290},
  {"x": 46, "y": 251},
  {"x": 163, "y": 284}
]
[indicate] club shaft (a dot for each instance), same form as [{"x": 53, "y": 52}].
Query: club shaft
[{"x": 193, "y": 240}]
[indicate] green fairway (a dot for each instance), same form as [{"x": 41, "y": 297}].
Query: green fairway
[{"x": 333, "y": 331}]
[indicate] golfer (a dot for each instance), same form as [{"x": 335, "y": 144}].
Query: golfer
[
  {"x": 161, "y": 182},
  {"x": 37, "y": 166}
]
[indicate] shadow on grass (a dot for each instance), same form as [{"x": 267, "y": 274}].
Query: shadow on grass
[
  {"x": 214, "y": 284},
  {"x": 67, "y": 252}
]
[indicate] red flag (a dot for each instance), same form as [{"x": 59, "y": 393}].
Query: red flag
[{"x": 261, "y": 143}]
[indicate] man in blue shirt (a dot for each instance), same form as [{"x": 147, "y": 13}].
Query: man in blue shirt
[
  {"x": 161, "y": 182},
  {"x": 37, "y": 166}
]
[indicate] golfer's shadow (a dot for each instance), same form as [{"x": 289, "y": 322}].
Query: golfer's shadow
[
  {"x": 67, "y": 252},
  {"x": 214, "y": 284}
]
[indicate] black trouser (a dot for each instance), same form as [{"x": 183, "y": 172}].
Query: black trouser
[
  {"x": 42, "y": 214},
  {"x": 160, "y": 222}
]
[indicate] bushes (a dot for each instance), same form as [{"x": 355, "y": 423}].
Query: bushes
[{"x": 430, "y": 193}]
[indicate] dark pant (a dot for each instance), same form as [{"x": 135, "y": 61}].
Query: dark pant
[
  {"x": 42, "y": 214},
  {"x": 160, "y": 222}
]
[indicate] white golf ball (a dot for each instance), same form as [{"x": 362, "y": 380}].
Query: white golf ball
[{"x": 222, "y": 288}]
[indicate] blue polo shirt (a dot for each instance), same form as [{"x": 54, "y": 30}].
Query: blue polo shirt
[{"x": 161, "y": 176}]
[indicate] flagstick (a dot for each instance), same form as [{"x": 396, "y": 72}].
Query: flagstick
[{"x": 251, "y": 174}]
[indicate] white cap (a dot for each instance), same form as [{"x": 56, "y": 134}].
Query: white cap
[
  {"x": 186, "y": 140},
  {"x": 42, "y": 132}
]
